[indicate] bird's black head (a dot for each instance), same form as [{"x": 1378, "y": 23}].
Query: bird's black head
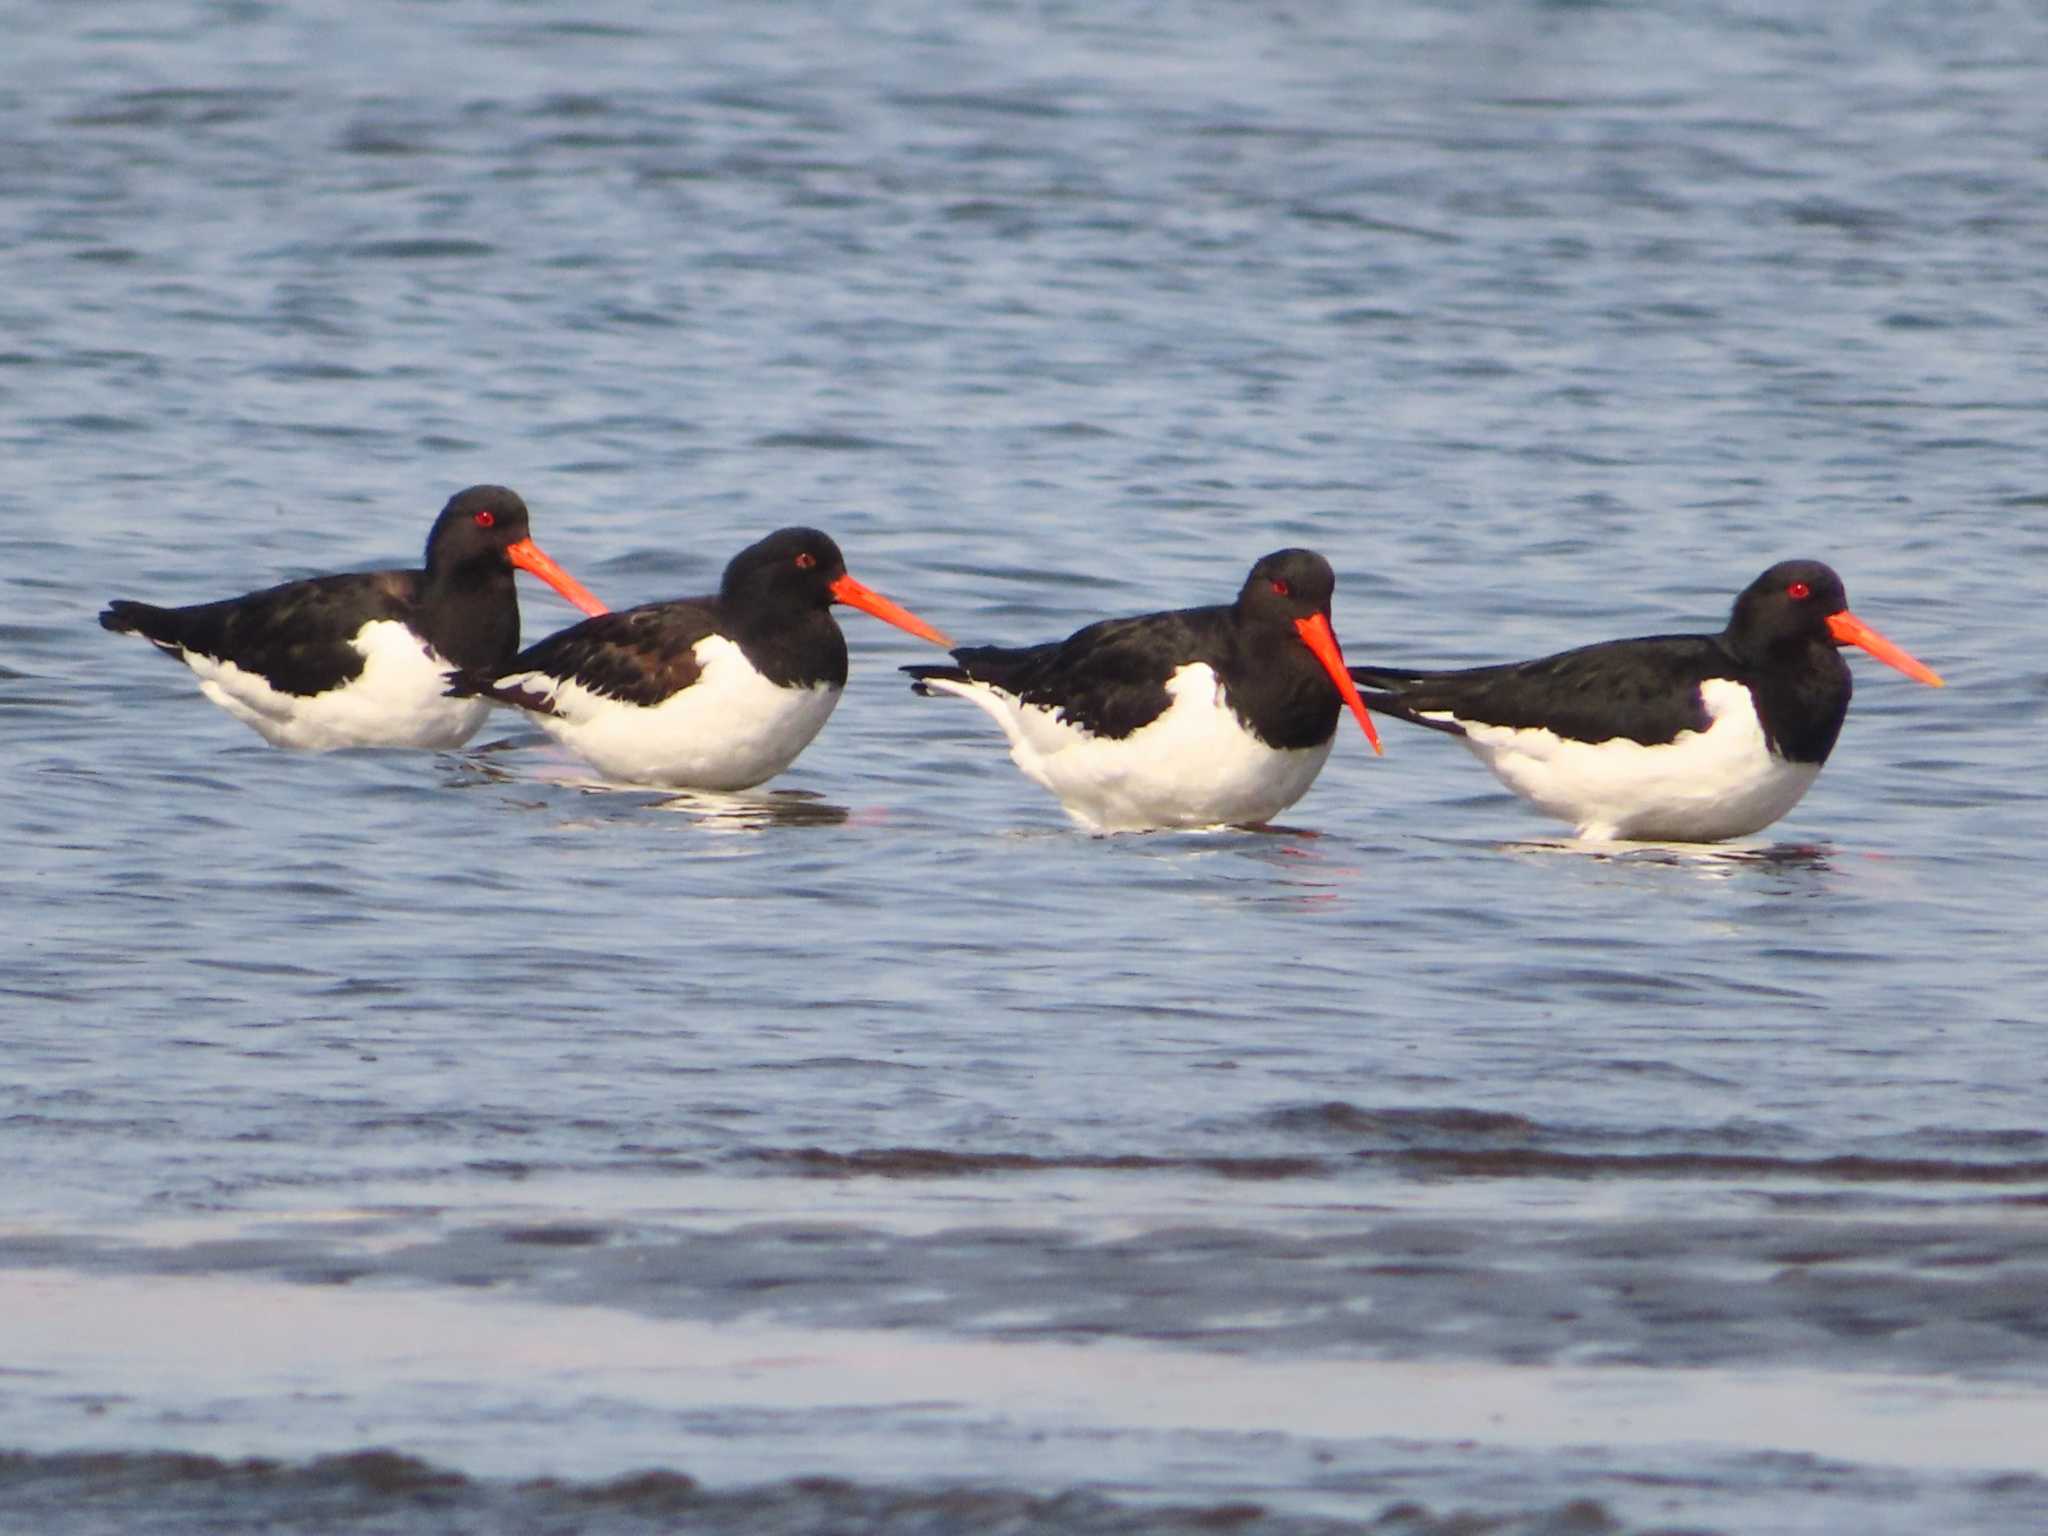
[
  {"x": 1288, "y": 584},
  {"x": 1801, "y": 602},
  {"x": 480, "y": 523},
  {"x": 798, "y": 571},
  {"x": 793, "y": 568},
  {"x": 1790, "y": 604},
  {"x": 1294, "y": 587},
  {"x": 477, "y": 540}
]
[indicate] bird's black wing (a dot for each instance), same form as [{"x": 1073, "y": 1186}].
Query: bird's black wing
[
  {"x": 1645, "y": 690},
  {"x": 297, "y": 635},
  {"x": 640, "y": 655},
  {"x": 1109, "y": 678}
]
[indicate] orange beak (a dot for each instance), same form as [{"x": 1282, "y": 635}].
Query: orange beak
[
  {"x": 527, "y": 556},
  {"x": 847, "y": 590},
  {"x": 1317, "y": 635},
  {"x": 1850, "y": 630}
]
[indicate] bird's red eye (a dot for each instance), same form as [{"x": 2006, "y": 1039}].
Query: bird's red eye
[
  {"x": 1799, "y": 591},
  {"x": 1282, "y": 588},
  {"x": 806, "y": 561},
  {"x": 487, "y": 519}
]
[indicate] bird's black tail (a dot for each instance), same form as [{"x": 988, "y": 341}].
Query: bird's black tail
[
  {"x": 1388, "y": 692},
  {"x": 1390, "y": 678},
  {"x": 157, "y": 625},
  {"x": 481, "y": 683},
  {"x": 920, "y": 674},
  {"x": 467, "y": 682}
]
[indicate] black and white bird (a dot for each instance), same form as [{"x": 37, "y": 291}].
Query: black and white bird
[
  {"x": 1670, "y": 738},
  {"x": 714, "y": 693},
  {"x": 1200, "y": 717},
  {"x": 362, "y": 659}
]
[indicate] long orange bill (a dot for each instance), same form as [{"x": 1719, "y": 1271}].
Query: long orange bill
[
  {"x": 849, "y": 591},
  {"x": 1850, "y": 630},
  {"x": 1317, "y": 635},
  {"x": 528, "y": 556}
]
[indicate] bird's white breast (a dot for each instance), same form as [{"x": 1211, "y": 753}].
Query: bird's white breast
[
  {"x": 399, "y": 699},
  {"x": 1702, "y": 786},
  {"x": 1196, "y": 765},
  {"x": 730, "y": 729}
]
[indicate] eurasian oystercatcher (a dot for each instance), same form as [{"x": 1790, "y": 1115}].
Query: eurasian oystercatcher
[
  {"x": 1670, "y": 738},
  {"x": 716, "y": 693},
  {"x": 362, "y": 659},
  {"x": 1201, "y": 717}
]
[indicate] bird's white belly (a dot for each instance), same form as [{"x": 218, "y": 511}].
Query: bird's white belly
[
  {"x": 730, "y": 729},
  {"x": 399, "y": 699},
  {"x": 1194, "y": 766},
  {"x": 1701, "y": 787}
]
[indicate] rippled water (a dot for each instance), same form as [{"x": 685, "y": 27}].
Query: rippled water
[{"x": 479, "y": 1152}]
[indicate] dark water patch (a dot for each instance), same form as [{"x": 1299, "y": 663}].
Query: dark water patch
[
  {"x": 557, "y": 1236},
  {"x": 28, "y": 634},
  {"x": 822, "y": 441},
  {"x": 318, "y": 371},
  {"x": 983, "y": 103},
  {"x": 585, "y": 139},
  {"x": 98, "y": 423},
  {"x": 1476, "y": 1152},
  {"x": 1988, "y": 1138},
  {"x": 177, "y": 107},
  {"x": 936, "y": 1163},
  {"x": 502, "y": 1168},
  {"x": 626, "y": 425},
  {"x": 50, "y": 994},
  {"x": 1426, "y": 1131},
  {"x": 1832, "y": 213},
  {"x": 33, "y": 703},
  {"x": 252, "y": 967},
  {"x": 636, "y": 318},
  {"x": 383, "y": 138},
  {"x": 146, "y": 1493},
  {"x": 572, "y": 27},
  {"x": 576, "y": 106},
  {"x": 1369, "y": 315},
  {"x": 422, "y": 249},
  {"x": 319, "y": 431},
  {"x": 1402, "y": 1124},
  {"x": 1531, "y": 1162},
  {"x": 1369, "y": 224},
  {"x": 1665, "y": 1070}
]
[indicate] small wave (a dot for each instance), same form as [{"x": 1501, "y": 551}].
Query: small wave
[
  {"x": 1402, "y": 1124},
  {"x": 423, "y": 249},
  {"x": 829, "y": 442},
  {"x": 1427, "y": 1161},
  {"x": 937, "y": 1163}
]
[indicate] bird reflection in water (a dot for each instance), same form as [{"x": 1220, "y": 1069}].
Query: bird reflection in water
[
  {"x": 1713, "y": 860},
  {"x": 755, "y": 812}
]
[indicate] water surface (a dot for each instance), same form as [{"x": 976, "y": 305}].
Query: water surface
[{"x": 440, "y": 1144}]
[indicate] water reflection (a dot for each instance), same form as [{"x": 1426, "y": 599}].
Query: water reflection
[
  {"x": 755, "y": 810},
  {"x": 745, "y": 811},
  {"x": 1712, "y": 860},
  {"x": 1290, "y": 866}
]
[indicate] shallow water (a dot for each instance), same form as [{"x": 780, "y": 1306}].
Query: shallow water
[{"x": 880, "y": 1152}]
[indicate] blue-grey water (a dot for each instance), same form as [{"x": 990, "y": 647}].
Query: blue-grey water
[{"x": 417, "y": 1143}]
